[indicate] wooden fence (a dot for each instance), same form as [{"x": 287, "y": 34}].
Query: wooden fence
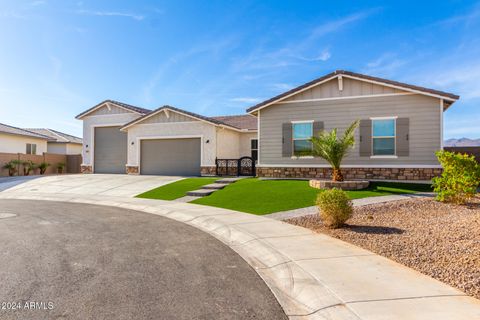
[
  {"x": 72, "y": 162},
  {"x": 468, "y": 150}
]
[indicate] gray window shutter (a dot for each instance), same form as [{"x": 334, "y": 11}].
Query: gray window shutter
[
  {"x": 287, "y": 139},
  {"x": 402, "y": 135},
  {"x": 317, "y": 128},
  {"x": 365, "y": 138}
]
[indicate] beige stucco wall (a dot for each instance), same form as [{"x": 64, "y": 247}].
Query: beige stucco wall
[
  {"x": 74, "y": 148},
  {"x": 10, "y": 143},
  {"x": 191, "y": 129},
  {"x": 90, "y": 122},
  {"x": 245, "y": 146},
  {"x": 228, "y": 144}
]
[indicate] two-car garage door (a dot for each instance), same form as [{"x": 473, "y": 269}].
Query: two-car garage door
[{"x": 179, "y": 157}]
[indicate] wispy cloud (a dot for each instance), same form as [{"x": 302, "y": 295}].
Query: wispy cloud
[
  {"x": 133, "y": 16},
  {"x": 245, "y": 100},
  {"x": 385, "y": 65},
  {"x": 37, "y": 3},
  {"x": 281, "y": 86}
]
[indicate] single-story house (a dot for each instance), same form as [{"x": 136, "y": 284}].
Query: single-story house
[
  {"x": 17, "y": 140},
  {"x": 401, "y": 127},
  {"x": 121, "y": 138},
  {"x": 60, "y": 143}
]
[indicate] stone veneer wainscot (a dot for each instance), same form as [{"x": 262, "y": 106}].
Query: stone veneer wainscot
[{"x": 351, "y": 173}]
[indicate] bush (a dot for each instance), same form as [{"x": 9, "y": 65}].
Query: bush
[
  {"x": 43, "y": 167},
  {"x": 11, "y": 167},
  {"x": 460, "y": 177},
  {"x": 28, "y": 166},
  {"x": 335, "y": 207}
]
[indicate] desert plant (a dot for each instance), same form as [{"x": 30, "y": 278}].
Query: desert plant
[
  {"x": 335, "y": 207},
  {"x": 329, "y": 146},
  {"x": 28, "y": 166},
  {"x": 43, "y": 167},
  {"x": 60, "y": 167},
  {"x": 460, "y": 177},
  {"x": 11, "y": 166}
]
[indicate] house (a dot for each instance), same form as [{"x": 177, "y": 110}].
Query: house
[
  {"x": 17, "y": 140},
  {"x": 60, "y": 143},
  {"x": 121, "y": 138},
  {"x": 401, "y": 127}
]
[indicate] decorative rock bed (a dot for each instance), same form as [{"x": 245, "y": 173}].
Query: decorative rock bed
[{"x": 344, "y": 185}]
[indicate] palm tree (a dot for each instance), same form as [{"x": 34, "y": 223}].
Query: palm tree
[{"x": 331, "y": 148}]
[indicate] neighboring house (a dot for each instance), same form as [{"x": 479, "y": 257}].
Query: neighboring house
[
  {"x": 401, "y": 128},
  {"x": 60, "y": 143},
  {"x": 17, "y": 140},
  {"x": 121, "y": 138}
]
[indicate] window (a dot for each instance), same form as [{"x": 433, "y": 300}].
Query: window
[
  {"x": 383, "y": 137},
  {"x": 254, "y": 149},
  {"x": 302, "y": 132},
  {"x": 31, "y": 148}
]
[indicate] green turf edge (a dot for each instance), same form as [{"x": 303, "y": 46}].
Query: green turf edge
[{"x": 177, "y": 189}]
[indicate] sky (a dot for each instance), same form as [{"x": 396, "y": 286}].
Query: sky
[{"x": 59, "y": 58}]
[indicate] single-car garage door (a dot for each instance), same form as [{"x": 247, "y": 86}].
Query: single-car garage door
[
  {"x": 110, "y": 150},
  {"x": 175, "y": 157}
]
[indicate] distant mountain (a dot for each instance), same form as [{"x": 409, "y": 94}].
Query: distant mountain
[{"x": 462, "y": 142}]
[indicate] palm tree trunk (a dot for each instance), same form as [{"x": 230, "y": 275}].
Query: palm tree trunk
[{"x": 337, "y": 174}]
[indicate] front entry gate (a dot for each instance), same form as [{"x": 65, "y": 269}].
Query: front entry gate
[{"x": 245, "y": 166}]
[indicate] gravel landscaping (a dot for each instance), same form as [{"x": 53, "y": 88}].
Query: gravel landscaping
[{"x": 440, "y": 240}]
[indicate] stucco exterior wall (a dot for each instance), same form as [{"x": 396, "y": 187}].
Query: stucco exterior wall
[
  {"x": 245, "y": 146},
  {"x": 74, "y": 148},
  {"x": 228, "y": 144},
  {"x": 57, "y": 147},
  {"x": 90, "y": 122},
  {"x": 171, "y": 130},
  {"x": 18, "y": 144}
]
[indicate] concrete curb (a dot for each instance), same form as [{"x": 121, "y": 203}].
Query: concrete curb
[{"x": 313, "y": 276}]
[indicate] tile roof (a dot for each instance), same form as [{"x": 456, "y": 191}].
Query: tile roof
[
  {"x": 118, "y": 103},
  {"x": 245, "y": 121},
  {"x": 447, "y": 95},
  {"x": 21, "y": 132},
  {"x": 56, "y": 135}
]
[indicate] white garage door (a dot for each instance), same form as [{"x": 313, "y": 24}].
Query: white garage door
[{"x": 175, "y": 157}]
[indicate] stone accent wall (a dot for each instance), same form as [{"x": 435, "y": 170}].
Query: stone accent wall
[
  {"x": 352, "y": 173},
  {"x": 208, "y": 171},
  {"x": 344, "y": 185},
  {"x": 86, "y": 169},
  {"x": 132, "y": 170}
]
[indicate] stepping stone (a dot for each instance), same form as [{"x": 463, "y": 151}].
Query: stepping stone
[
  {"x": 215, "y": 186},
  {"x": 228, "y": 180},
  {"x": 201, "y": 192},
  {"x": 186, "y": 199}
]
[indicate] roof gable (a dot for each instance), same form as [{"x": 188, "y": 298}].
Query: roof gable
[
  {"x": 56, "y": 136},
  {"x": 167, "y": 116},
  {"x": 112, "y": 107},
  {"x": 21, "y": 132},
  {"x": 184, "y": 113},
  {"x": 345, "y": 77}
]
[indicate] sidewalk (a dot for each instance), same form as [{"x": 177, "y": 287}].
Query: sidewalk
[{"x": 313, "y": 276}]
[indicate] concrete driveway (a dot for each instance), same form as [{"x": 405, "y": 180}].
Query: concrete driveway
[
  {"x": 88, "y": 184},
  {"x": 97, "y": 262}
]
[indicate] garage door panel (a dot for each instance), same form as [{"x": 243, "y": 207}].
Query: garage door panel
[
  {"x": 171, "y": 157},
  {"x": 110, "y": 150}
]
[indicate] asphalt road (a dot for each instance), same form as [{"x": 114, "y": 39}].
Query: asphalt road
[{"x": 78, "y": 261}]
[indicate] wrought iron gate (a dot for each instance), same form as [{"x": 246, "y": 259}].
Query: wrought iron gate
[{"x": 245, "y": 166}]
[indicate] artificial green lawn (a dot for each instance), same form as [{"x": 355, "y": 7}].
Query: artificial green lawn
[
  {"x": 267, "y": 196},
  {"x": 176, "y": 189}
]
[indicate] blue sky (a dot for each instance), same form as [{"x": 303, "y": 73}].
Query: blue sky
[{"x": 58, "y": 58}]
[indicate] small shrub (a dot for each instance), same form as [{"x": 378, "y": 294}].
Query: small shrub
[
  {"x": 460, "y": 177},
  {"x": 11, "y": 166},
  {"x": 335, "y": 207},
  {"x": 28, "y": 166},
  {"x": 43, "y": 167},
  {"x": 60, "y": 167}
]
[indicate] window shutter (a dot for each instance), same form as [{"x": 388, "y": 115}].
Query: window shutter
[
  {"x": 286, "y": 139},
  {"x": 402, "y": 135},
  {"x": 365, "y": 138},
  {"x": 317, "y": 128}
]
